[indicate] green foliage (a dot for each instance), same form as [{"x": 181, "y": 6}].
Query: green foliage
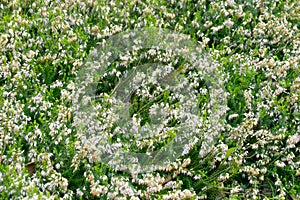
[{"x": 43, "y": 44}]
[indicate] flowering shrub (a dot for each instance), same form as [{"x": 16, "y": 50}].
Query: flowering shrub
[{"x": 254, "y": 47}]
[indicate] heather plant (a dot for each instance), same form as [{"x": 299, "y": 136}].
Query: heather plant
[{"x": 57, "y": 142}]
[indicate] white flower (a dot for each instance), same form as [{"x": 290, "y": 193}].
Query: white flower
[
  {"x": 64, "y": 183},
  {"x": 235, "y": 190},
  {"x": 278, "y": 182},
  {"x": 294, "y": 139},
  {"x": 228, "y": 23},
  {"x": 223, "y": 177},
  {"x": 231, "y": 3},
  {"x": 263, "y": 170},
  {"x": 152, "y": 52},
  {"x": 254, "y": 146},
  {"x": 232, "y": 116},
  {"x": 186, "y": 162},
  {"x": 279, "y": 163},
  {"x": 207, "y": 24},
  {"x": 43, "y": 173},
  {"x": 298, "y": 172},
  {"x": 216, "y": 28},
  {"x": 57, "y": 166},
  {"x": 3, "y": 41}
]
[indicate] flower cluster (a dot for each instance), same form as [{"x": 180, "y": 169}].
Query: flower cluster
[{"x": 243, "y": 140}]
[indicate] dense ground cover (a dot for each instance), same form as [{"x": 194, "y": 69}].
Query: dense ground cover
[{"x": 255, "y": 46}]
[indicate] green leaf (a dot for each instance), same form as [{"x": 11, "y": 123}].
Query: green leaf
[{"x": 229, "y": 152}]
